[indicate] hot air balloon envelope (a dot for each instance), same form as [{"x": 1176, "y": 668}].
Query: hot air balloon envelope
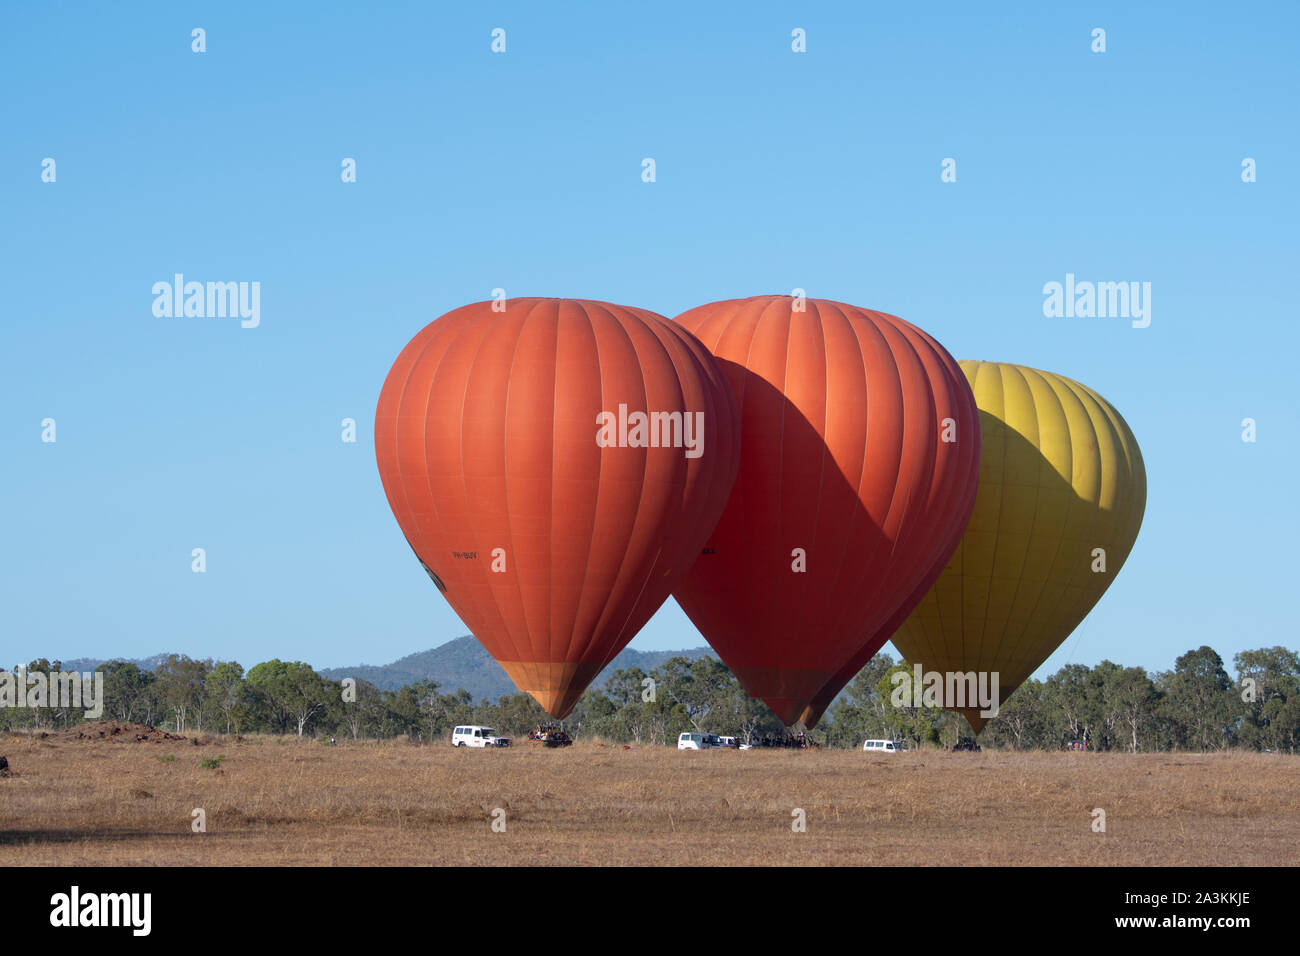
[
  {"x": 556, "y": 465},
  {"x": 859, "y": 450}
]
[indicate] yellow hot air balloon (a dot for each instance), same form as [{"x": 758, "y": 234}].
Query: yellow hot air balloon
[{"x": 1062, "y": 489}]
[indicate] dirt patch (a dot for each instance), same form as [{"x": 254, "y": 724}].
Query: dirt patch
[{"x": 118, "y": 732}]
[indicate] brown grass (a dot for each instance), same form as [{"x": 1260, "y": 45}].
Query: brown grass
[{"x": 284, "y": 801}]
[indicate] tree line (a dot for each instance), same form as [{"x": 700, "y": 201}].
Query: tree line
[{"x": 1195, "y": 706}]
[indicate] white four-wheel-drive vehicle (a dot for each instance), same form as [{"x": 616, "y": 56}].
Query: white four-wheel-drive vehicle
[
  {"x": 705, "y": 742},
  {"x": 476, "y": 736},
  {"x": 883, "y": 747}
]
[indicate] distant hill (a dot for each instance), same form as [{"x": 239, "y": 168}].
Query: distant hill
[
  {"x": 463, "y": 663},
  {"x": 90, "y": 663},
  {"x": 460, "y": 663}
]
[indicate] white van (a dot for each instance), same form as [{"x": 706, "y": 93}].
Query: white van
[
  {"x": 693, "y": 742},
  {"x": 476, "y": 736},
  {"x": 883, "y": 747}
]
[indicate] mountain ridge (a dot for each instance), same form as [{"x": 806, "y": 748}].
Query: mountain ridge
[
  {"x": 461, "y": 663},
  {"x": 464, "y": 663}
]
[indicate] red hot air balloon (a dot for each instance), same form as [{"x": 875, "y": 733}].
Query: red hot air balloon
[
  {"x": 556, "y": 465},
  {"x": 859, "y": 462}
]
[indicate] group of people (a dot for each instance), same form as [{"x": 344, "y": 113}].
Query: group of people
[
  {"x": 549, "y": 734},
  {"x": 799, "y": 741}
]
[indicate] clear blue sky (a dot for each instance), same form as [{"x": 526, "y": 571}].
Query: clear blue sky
[{"x": 522, "y": 170}]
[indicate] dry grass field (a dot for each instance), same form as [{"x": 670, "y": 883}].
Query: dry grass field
[{"x": 276, "y": 801}]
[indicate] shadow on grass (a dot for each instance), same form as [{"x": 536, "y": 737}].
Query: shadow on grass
[{"x": 32, "y": 837}]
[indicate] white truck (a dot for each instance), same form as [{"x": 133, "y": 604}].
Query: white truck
[{"x": 474, "y": 735}]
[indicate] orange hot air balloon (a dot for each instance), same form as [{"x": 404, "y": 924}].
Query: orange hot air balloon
[
  {"x": 859, "y": 460},
  {"x": 556, "y": 467}
]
